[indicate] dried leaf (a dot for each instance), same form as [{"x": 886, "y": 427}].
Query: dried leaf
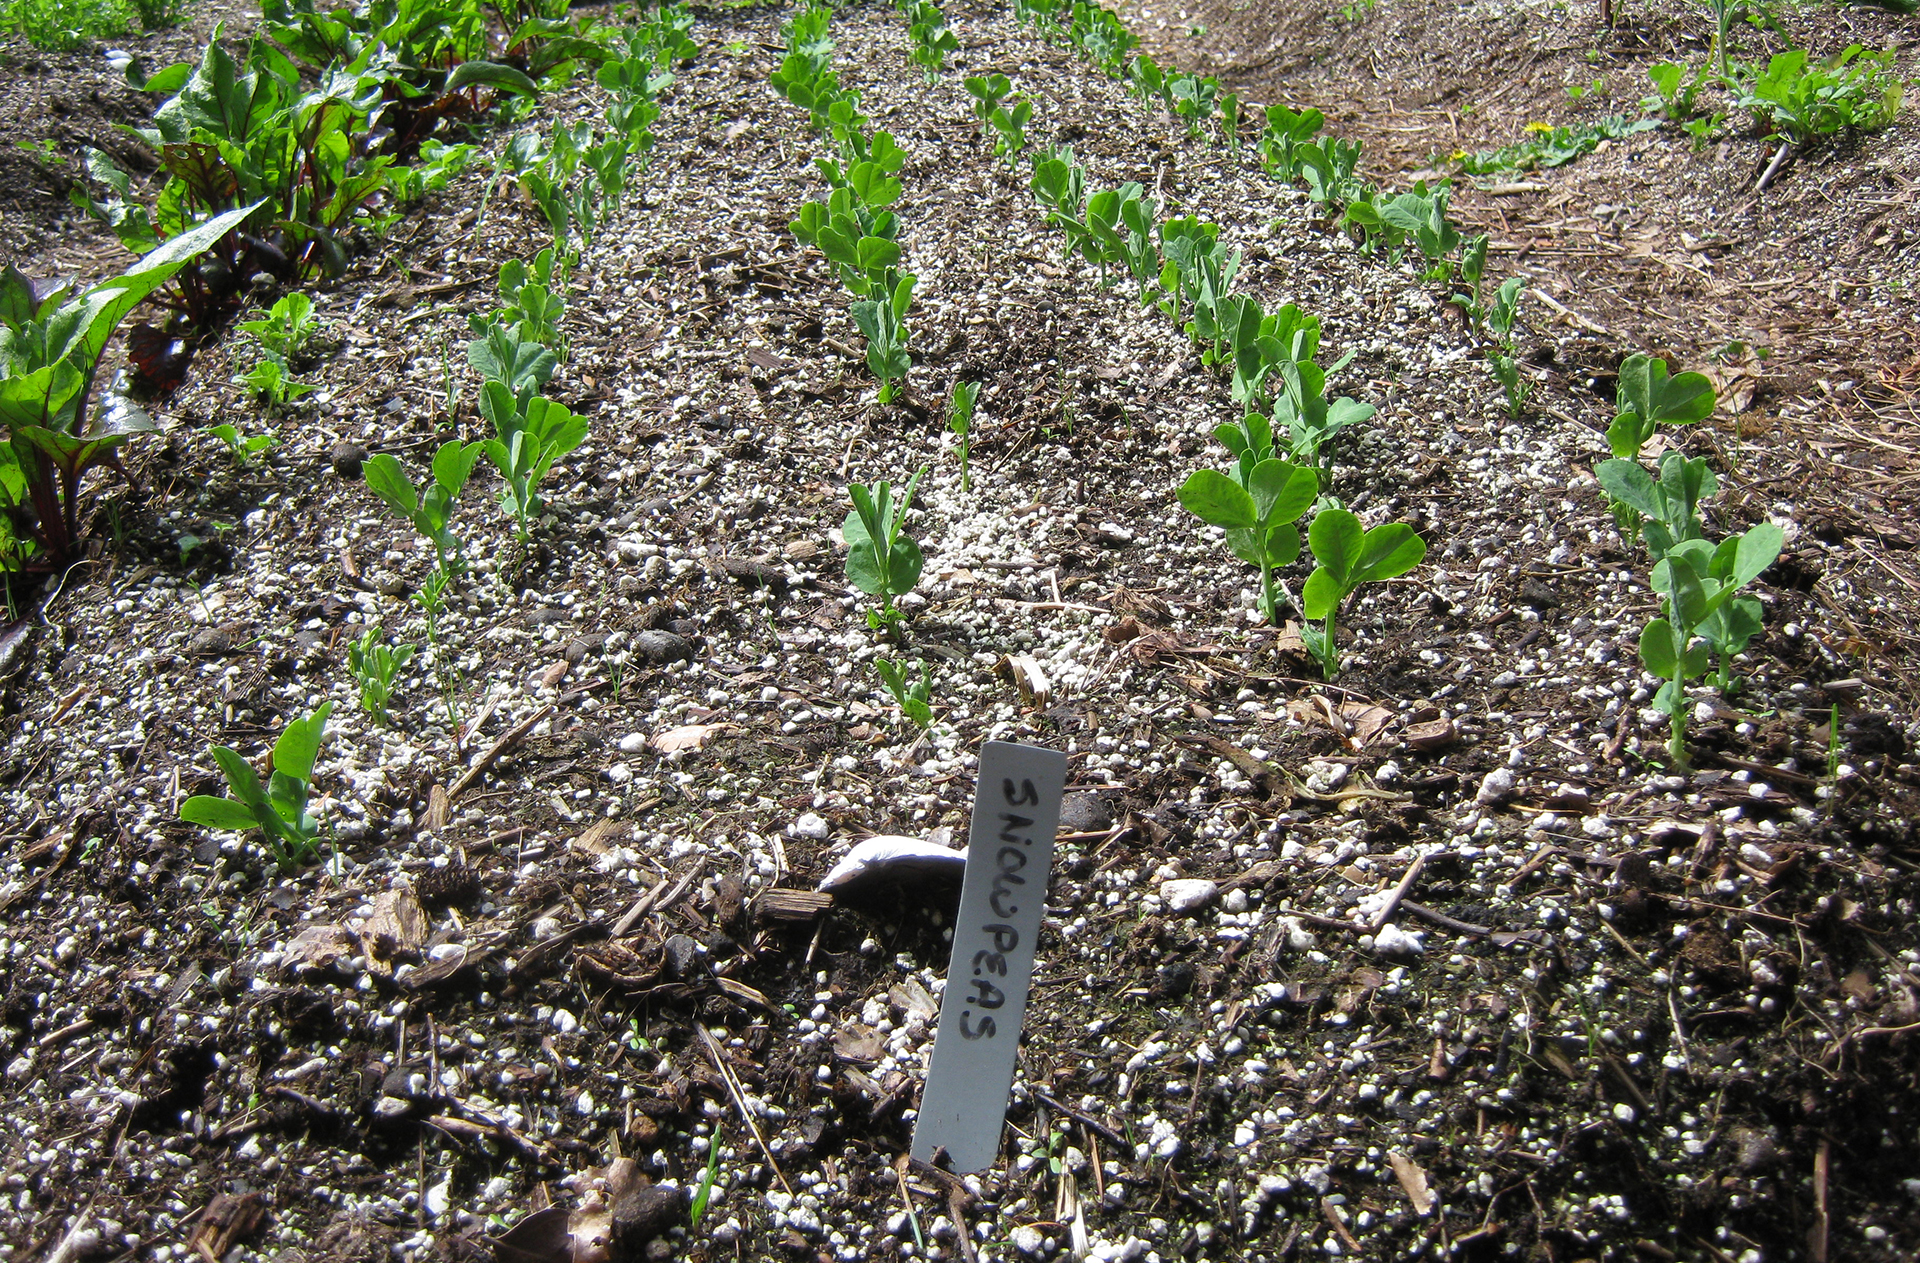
[
  {"x": 910, "y": 997},
  {"x": 1432, "y": 735},
  {"x": 542, "y": 1237},
  {"x": 690, "y": 737},
  {"x": 1027, "y": 676},
  {"x": 397, "y": 928},
  {"x": 859, "y": 1043},
  {"x": 1365, "y": 720},
  {"x": 1413, "y": 1181},
  {"x": 317, "y": 947}
]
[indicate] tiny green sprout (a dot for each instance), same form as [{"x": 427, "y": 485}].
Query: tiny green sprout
[
  {"x": 1833, "y": 742},
  {"x": 1349, "y": 556},
  {"x": 287, "y": 327},
  {"x": 374, "y": 667},
  {"x": 915, "y": 698},
  {"x": 270, "y": 380},
  {"x": 960, "y": 422},
  {"x": 697, "y": 1211},
  {"x": 279, "y": 809},
  {"x": 243, "y": 449},
  {"x": 190, "y": 543},
  {"x": 882, "y": 561}
]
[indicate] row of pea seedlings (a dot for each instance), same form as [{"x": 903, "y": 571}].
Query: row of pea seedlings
[
  {"x": 577, "y": 179},
  {"x": 1181, "y": 267},
  {"x": 853, "y": 227}
]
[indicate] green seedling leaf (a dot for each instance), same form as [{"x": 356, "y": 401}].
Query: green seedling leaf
[
  {"x": 218, "y": 813},
  {"x": 294, "y": 752},
  {"x": 387, "y": 477},
  {"x": 1217, "y": 499}
]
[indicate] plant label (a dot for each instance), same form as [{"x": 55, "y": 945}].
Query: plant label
[{"x": 1016, "y": 809}]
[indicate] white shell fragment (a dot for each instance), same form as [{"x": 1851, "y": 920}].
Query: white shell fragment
[{"x": 889, "y": 855}]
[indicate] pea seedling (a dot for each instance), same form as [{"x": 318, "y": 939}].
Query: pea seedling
[
  {"x": 279, "y": 809},
  {"x": 1349, "y": 556},
  {"x": 1700, "y": 584},
  {"x": 960, "y": 422},
  {"x": 915, "y": 698},
  {"x": 430, "y": 511},
  {"x": 1258, "y": 516},
  {"x": 882, "y": 560},
  {"x": 374, "y": 666}
]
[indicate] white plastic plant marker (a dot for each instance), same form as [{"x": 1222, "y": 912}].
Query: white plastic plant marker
[{"x": 1016, "y": 809}]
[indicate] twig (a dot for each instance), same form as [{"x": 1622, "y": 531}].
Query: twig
[
  {"x": 1333, "y": 1220},
  {"x": 1850, "y": 1036},
  {"x": 712, "y": 1051},
  {"x": 1822, "y": 1165},
  {"x": 646, "y": 902},
  {"x": 512, "y": 735},
  {"x": 1400, "y": 892},
  {"x": 1619, "y": 741},
  {"x": 906, "y": 1198},
  {"x": 1444, "y": 921},
  {"x": 1084, "y": 1120},
  {"x": 1773, "y": 169},
  {"x": 1621, "y": 939}
]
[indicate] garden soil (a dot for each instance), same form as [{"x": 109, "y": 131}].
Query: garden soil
[{"x": 1442, "y": 958}]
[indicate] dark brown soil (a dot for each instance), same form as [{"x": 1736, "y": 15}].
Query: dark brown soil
[{"x": 1626, "y": 1010}]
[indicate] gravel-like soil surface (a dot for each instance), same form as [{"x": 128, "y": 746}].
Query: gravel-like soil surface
[{"x": 1441, "y": 959}]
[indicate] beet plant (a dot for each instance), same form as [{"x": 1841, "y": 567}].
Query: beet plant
[{"x": 51, "y": 344}]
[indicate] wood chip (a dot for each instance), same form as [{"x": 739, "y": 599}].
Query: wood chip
[{"x": 1413, "y": 1181}]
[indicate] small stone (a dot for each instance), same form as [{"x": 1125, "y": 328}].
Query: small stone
[
  {"x": 681, "y": 956},
  {"x": 1084, "y": 813},
  {"x": 619, "y": 774},
  {"x": 565, "y": 1022},
  {"x": 1235, "y": 900},
  {"x": 810, "y": 826},
  {"x": 661, "y": 647},
  {"x": 348, "y": 459},
  {"x": 1028, "y": 1240},
  {"x": 392, "y": 1107},
  {"x": 645, "y": 1214},
  {"x": 1188, "y": 894},
  {"x": 633, "y": 743},
  {"x": 211, "y": 643}
]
